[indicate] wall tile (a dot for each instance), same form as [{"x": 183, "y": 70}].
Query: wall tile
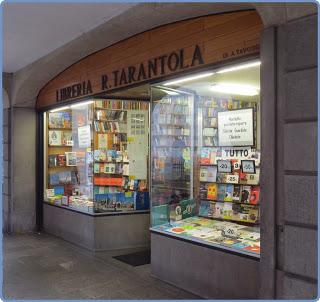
[
  {"x": 300, "y": 251},
  {"x": 300, "y": 146},
  {"x": 301, "y": 199},
  {"x": 301, "y": 94}
]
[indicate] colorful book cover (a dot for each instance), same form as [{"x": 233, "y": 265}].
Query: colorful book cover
[
  {"x": 142, "y": 201},
  {"x": 96, "y": 168},
  {"x": 216, "y": 209},
  {"x": 203, "y": 191},
  {"x": 53, "y": 178},
  {"x": 61, "y": 160},
  {"x": 236, "y": 193},
  {"x": 71, "y": 158},
  {"x": 205, "y": 156},
  {"x": 212, "y": 174},
  {"x": 245, "y": 213},
  {"x": 229, "y": 193},
  {"x": 221, "y": 178},
  {"x": 52, "y": 160},
  {"x": 255, "y": 195},
  {"x": 245, "y": 194},
  {"x": 203, "y": 174},
  {"x": 58, "y": 190},
  {"x": 55, "y": 138},
  {"x": 67, "y": 139},
  {"x": 212, "y": 191},
  {"x": 204, "y": 208},
  {"x": 221, "y": 192},
  {"x": 65, "y": 177},
  {"x": 103, "y": 141},
  {"x": 227, "y": 210}
]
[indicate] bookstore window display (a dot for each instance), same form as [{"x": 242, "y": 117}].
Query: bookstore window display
[
  {"x": 205, "y": 158},
  {"x": 96, "y": 156}
]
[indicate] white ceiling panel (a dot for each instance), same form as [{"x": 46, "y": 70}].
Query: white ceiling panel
[{"x": 31, "y": 31}]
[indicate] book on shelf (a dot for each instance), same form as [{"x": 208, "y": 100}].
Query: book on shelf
[
  {"x": 212, "y": 191},
  {"x": 55, "y": 137},
  {"x": 71, "y": 158},
  {"x": 245, "y": 213},
  {"x": 236, "y": 193},
  {"x": 111, "y": 181},
  {"x": 255, "y": 195},
  {"x": 208, "y": 174},
  {"x": 52, "y": 160},
  {"x": 228, "y": 193},
  {"x": 216, "y": 209},
  {"x": 67, "y": 138},
  {"x": 142, "y": 201},
  {"x": 103, "y": 141},
  {"x": 59, "y": 119},
  {"x": 221, "y": 192},
  {"x": 245, "y": 194},
  {"x": 61, "y": 160},
  {"x": 204, "y": 208},
  {"x": 103, "y": 115},
  {"x": 208, "y": 156}
]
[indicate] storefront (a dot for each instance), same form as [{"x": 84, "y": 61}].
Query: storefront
[{"x": 166, "y": 122}]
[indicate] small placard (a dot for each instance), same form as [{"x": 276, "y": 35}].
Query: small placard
[
  {"x": 232, "y": 179},
  {"x": 248, "y": 166},
  {"x": 224, "y": 166}
]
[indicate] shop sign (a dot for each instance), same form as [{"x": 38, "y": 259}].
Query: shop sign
[
  {"x": 147, "y": 70},
  {"x": 235, "y": 127}
]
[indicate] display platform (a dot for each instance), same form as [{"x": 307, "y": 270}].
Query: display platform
[
  {"x": 98, "y": 232},
  {"x": 208, "y": 272},
  {"x": 226, "y": 235}
]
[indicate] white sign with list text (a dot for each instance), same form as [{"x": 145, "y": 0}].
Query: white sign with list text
[{"x": 235, "y": 127}]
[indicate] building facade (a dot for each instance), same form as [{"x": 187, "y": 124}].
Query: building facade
[{"x": 287, "y": 39}]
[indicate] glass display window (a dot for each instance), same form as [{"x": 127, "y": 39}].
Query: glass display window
[
  {"x": 205, "y": 157},
  {"x": 96, "y": 156}
]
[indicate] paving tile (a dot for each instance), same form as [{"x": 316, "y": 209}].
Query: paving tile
[{"x": 46, "y": 267}]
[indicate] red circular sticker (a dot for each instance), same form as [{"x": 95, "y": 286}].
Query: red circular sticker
[{"x": 177, "y": 230}]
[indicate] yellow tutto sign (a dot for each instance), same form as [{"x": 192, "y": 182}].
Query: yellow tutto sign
[{"x": 157, "y": 53}]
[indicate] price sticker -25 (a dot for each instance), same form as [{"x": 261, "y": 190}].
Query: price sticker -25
[{"x": 232, "y": 179}]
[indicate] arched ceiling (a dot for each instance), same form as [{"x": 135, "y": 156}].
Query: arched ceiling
[{"x": 29, "y": 80}]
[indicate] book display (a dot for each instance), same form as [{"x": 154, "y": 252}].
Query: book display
[
  {"x": 209, "y": 158},
  {"x": 172, "y": 128},
  {"x": 93, "y": 149}
]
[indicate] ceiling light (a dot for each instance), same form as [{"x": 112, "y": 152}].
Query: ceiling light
[
  {"x": 81, "y": 104},
  {"x": 169, "y": 92},
  {"x": 187, "y": 79},
  {"x": 240, "y": 67},
  {"x": 235, "y": 89},
  {"x": 60, "y": 109}
]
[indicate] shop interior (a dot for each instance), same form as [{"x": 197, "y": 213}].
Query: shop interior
[{"x": 165, "y": 147}]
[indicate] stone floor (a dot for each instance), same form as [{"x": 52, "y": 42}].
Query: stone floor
[{"x": 40, "y": 266}]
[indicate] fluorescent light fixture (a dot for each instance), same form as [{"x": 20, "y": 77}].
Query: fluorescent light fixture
[
  {"x": 235, "y": 89},
  {"x": 60, "y": 109},
  {"x": 169, "y": 92},
  {"x": 240, "y": 67},
  {"x": 187, "y": 79},
  {"x": 81, "y": 104}
]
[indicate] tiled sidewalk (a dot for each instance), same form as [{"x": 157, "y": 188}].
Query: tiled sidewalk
[{"x": 45, "y": 267}]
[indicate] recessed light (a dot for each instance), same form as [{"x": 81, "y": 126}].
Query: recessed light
[
  {"x": 237, "y": 89},
  {"x": 60, "y": 109},
  {"x": 240, "y": 67},
  {"x": 81, "y": 104},
  {"x": 187, "y": 79}
]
